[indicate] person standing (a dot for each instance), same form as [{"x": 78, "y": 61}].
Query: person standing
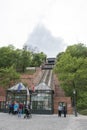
[
  {"x": 59, "y": 110},
  {"x": 64, "y": 110},
  {"x": 16, "y": 107},
  {"x": 20, "y": 110}
]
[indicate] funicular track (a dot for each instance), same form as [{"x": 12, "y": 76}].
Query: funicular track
[{"x": 47, "y": 76}]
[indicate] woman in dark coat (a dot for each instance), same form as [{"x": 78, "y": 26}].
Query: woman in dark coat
[{"x": 64, "y": 110}]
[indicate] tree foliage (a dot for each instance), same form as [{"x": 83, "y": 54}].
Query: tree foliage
[
  {"x": 71, "y": 68},
  {"x": 20, "y": 58},
  {"x": 7, "y": 76},
  {"x": 14, "y": 60},
  {"x": 38, "y": 59}
]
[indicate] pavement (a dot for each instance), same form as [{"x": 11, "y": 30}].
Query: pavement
[{"x": 42, "y": 122}]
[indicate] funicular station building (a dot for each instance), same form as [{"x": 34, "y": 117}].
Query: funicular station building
[{"x": 47, "y": 94}]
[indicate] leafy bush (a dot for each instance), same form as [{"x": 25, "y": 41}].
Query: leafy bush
[{"x": 83, "y": 112}]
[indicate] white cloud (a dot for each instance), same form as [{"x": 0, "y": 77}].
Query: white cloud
[
  {"x": 45, "y": 42},
  {"x": 63, "y": 18}
]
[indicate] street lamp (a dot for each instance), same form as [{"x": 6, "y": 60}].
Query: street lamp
[{"x": 74, "y": 97}]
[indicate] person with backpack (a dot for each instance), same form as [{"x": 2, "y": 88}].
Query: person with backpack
[{"x": 27, "y": 112}]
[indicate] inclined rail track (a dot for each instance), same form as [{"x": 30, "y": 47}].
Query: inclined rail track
[{"x": 47, "y": 77}]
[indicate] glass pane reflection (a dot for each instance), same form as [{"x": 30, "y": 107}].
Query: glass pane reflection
[{"x": 41, "y": 101}]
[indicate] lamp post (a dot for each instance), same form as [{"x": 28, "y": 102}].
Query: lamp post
[{"x": 75, "y": 109}]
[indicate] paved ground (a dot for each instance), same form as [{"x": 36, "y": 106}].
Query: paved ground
[{"x": 42, "y": 122}]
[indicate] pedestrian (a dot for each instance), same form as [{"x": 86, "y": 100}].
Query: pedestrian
[
  {"x": 10, "y": 107},
  {"x": 64, "y": 110},
  {"x": 59, "y": 110},
  {"x": 27, "y": 112},
  {"x": 20, "y": 109},
  {"x": 16, "y": 107}
]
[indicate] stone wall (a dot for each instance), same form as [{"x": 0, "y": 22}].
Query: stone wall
[{"x": 66, "y": 100}]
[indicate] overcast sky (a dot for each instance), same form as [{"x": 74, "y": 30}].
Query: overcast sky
[{"x": 64, "y": 19}]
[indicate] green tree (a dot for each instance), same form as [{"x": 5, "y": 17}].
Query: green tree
[
  {"x": 71, "y": 68},
  {"x": 38, "y": 59},
  {"x": 77, "y": 50},
  {"x": 7, "y": 56},
  {"x": 23, "y": 60},
  {"x": 7, "y": 76}
]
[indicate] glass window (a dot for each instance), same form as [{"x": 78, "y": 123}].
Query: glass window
[{"x": 41, "y": 101}]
